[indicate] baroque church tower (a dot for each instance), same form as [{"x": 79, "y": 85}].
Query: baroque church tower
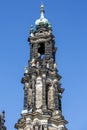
[{"x": 42, "y": 88}]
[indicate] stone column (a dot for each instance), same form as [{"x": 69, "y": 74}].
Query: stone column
[
  {"x": 33, "y": 91},
  {"x": 47, "y": 50},
  {"x": 38, "y": 94},
  {"x": 56, "y": 97},
  {"x": 51, "y": 49},
  {"x": 45, "y": 127},
  {"x": 26, "y": 96},
  {"x": 36, "y": 50},
  {"x": 44, "y": 92},
  {"x": 55, "y": 83},
  {"x": 36, "y": 127},
  {"x": 51, "y": 101},
  {"x": 31, "y": 51},
  {"x": 40, "y": 127},
  {"x": 29, "y": 98}
]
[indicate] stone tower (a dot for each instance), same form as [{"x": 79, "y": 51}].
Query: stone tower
[
  {"x": 42, "y": 88},
  {"x": 2, "y": 121}
]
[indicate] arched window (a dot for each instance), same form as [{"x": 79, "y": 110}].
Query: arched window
[{"x": 41, "y": 50}]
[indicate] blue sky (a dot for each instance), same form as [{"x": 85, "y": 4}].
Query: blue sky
[{"x": 69, "y": 22}]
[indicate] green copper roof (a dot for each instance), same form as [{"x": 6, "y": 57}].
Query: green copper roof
[{"x": 42, "y": 20}]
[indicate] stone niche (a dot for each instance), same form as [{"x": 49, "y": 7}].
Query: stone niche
[{"x": 38, "y": 92}]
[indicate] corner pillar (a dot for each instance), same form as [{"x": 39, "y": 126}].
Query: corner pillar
[
  {"x": 33, "y": 91},
  {"x": 26, "y": 95},
  {"x": 44, "y": 108}
]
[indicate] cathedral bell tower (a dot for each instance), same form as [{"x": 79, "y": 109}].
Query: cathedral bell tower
[{"x": 42, "y": 88}]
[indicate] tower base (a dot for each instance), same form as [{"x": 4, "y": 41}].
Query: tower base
[{"x": 39, "y": 121}]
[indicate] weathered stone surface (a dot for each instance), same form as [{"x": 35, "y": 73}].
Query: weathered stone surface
[
  {"x": 38, "y": 92},
  {"x": 51, "y": 92},
  {"x": 43, "y": 93},
  {"x": 30, "y": 97}
]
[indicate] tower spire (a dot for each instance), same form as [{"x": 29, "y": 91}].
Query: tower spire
[
  {"x": 42, "y": 11},
  {"x": 42, "y": 21}
]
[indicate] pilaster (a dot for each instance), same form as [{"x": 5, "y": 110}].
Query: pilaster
[
  {"x": 33, "y": 91},
  {"x": 44, "y": 108}
]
